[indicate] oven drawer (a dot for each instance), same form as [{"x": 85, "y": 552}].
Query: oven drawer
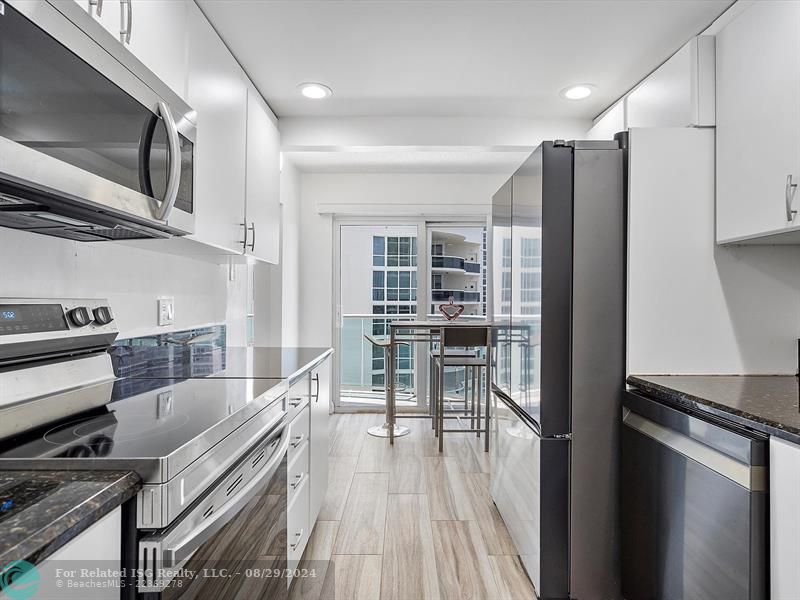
[
  {"x": 297, "y": 473},
  {"x": 298, "y": 433},
  {"x": 298, "y": 528}
]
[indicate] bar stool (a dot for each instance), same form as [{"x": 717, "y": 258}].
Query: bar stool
[
  {"x": 463, "y": 337},
  {"x": 383, "y": 430},
  {"x": 469, "y": 403}
]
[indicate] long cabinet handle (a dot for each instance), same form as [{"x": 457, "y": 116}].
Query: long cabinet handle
[
  {"x": 97, "y": 6},
  {"x": 253, "y": 243},
  {"x": 174, "y": 176},
  {"x": 125, "y": 25},
  {"x": 791, "y": 189}
]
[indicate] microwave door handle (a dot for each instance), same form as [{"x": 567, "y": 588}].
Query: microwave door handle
[
  {"x": 174, "y": 176},
  {"x": 175, "y": 553}
]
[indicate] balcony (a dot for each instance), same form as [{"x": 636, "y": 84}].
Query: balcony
[
  {"x": 362, "y": 366},
  {"x": 454, "y": 263},
  {"x": 457, "y": 295},
  {"x": 472, "y": 267}
]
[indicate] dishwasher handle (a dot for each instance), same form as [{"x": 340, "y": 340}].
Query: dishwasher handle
[{"x": 752, "y": 478}]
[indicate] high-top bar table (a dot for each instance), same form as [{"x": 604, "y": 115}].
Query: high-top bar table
[{"x": 421, "y": 331}]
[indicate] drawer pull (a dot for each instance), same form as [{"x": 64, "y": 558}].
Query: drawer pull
[
  {"x": 299, "y": 440},
  {"x": 295, "y": 402},
  {"x": 299, "y": 479},
  {"x": 299, "y": 537}
]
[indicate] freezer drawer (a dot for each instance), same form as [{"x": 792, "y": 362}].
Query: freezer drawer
[
  {"x": 530, "y": 487},
  {"x": 694, "y": 506}
]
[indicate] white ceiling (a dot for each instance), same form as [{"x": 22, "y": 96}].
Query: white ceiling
[
  {"x": 453, "y": 58},
  {"x": 403, "y": 160}
]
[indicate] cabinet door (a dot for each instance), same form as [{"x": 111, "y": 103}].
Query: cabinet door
[
  {"x": 109, "y": 17},
  {"x": 320, "y": 406},
  {"x": 758, "y": 119},
  {"x": 784, "y": 511},
  {"x": 158, "y": 39},
  {"x": 263, "y": 180},
  {"x": 217, "y": 91},
  {"x": 98, "y": 547}
]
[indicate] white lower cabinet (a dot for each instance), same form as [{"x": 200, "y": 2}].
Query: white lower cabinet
[
  {"x": 784, "y": 510},
  {"x": 98, "y": 549},
  {"x": 320, "y": 416},
  {"x": 298, "y": 521}
]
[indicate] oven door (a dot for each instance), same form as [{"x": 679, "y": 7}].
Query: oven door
[
  {"x": 232, "y": 542},
  {"x": 88, "y": 151}
]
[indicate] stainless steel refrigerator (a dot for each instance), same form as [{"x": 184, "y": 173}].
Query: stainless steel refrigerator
[{"x": 558, "y": 296}]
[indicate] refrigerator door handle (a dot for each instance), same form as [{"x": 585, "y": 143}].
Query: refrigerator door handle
[{"x": 528, "y": 419}]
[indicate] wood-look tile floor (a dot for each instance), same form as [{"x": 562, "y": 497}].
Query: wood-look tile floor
[{"x": 405, "y": 522}]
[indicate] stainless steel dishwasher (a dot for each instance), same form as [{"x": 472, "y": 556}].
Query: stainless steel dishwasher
[{"x": 694, "y": 505}]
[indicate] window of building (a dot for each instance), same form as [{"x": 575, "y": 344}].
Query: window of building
[
  {"x": 531, "y": 253},
  {"x": 507, "y": 253}
]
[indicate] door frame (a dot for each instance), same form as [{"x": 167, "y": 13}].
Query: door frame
[{"x": 423, "y": 283}]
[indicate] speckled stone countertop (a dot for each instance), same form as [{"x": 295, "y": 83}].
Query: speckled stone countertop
[
  {"x": 40, "y": 511},
  {"x": 766, "y": 403}
]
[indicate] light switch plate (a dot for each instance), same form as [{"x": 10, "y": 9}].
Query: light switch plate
[{"x": 166, "y": 311}]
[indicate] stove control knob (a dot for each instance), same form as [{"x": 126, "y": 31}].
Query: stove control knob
[
  {"x": 102, "y": 315},
  {"x": 80, "y": 316}
]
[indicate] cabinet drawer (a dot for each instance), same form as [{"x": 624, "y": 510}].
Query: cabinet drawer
[
  {"x": 298, "y": 433},
  {"x": 298, "y": 529},
  {"x": 297, "y": 473}
]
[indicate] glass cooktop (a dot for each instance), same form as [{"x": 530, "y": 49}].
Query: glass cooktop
[{"x": 150, "y": 419}]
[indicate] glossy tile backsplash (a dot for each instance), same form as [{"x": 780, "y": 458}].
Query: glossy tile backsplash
[{"x": 188, "y": 353}]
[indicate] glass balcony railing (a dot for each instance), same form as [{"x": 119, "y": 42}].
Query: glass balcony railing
[
  {"x": 447, "y": 262},
  {"x": 457, "y": 295},
  {"x": 363, "y": 366},
  {"x": 472, "y": 267}
]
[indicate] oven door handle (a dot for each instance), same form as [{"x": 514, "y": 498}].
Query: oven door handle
[{"x": 175, "y": 552}]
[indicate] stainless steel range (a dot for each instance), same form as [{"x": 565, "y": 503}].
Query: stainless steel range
[{"x": 209, "y": 451}]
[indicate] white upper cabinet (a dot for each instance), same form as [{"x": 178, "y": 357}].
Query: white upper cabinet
[
  {"x": 680, "y": 93},
  {"x": 758, "y": 124},
  {"x": 263, "y": 209},
  {"x": 158, "y": 39},
  {"x": 217, "y": 90},
  {"x": 152, "y": 30}
]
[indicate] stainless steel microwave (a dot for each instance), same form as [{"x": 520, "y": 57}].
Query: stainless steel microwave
[{"x": 88, "y": 150}]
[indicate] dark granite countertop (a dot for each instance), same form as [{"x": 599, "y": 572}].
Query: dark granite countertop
[
  {"x": 766, "y": 403},
  {"x": 40, "y": 511}
]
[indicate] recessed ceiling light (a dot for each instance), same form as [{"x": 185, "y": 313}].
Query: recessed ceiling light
[
  {"x": 577, "y": 92},
  {"x": 315, "y": 91}
]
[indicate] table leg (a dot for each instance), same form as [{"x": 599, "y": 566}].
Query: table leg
[
  {"x": 389, "y": 374},
  {"x": 488, "y": 393}
]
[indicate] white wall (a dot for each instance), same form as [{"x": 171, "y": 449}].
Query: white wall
[
  {"x": 130, "y": 278},
  {"x": 290, "y": 254},
  {"x": 323, "y": 195},
  {"x": 694, "y": 307}
]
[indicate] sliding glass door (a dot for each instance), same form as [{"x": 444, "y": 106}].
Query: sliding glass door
[{"x": 402, "y": 270}]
